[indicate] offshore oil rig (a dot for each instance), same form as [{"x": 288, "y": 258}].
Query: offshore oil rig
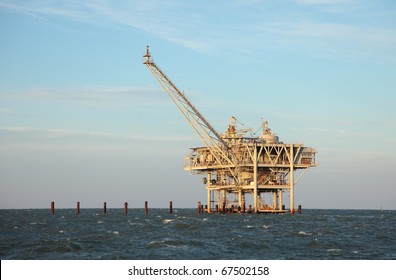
[{"x": 236, "y": 165}]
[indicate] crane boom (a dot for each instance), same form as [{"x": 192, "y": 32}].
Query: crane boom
[{"x": 209, "y": 136}]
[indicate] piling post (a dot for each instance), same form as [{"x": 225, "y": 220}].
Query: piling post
[
  {"x": 199, "y": 207},
  {"x": 52, "y": 208},
  {"x": 209, "y": 191},
  {"x": 224, "y": 207},
  {"x": 255, "y": 182},
  {"x": 244, "y": 207},
  {"x": 145, "y": 207},
  {"x": 78, "y": 208},
  {"x": 170, "y": 207},
  {"x": 291, "y": 178},
  {"x": 299, "y": 209},
  {"x": 280, "y": 200},
  {"x": 125, "y": 208},
  {"x": 104, "y": 207}
]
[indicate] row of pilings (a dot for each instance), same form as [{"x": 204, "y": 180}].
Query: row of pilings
[
  {"x": 145, "y": 209},
  {"x": 78, "y": 208},
  {"x": 200, "y": 208}
]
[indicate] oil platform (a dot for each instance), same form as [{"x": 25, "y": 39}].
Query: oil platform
[{"x": 235, "y": 165}]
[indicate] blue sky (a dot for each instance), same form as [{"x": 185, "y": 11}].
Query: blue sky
[{"x": 81, "y": 119}]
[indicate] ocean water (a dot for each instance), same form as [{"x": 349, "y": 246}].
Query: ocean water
[{"x": 314, "y": 234}]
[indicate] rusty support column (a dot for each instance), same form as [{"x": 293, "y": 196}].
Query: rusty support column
[
  {"x": 52, "y": 208},
  {"x": 170, "y": 207},
  {"x": 78, "y": 208},
  {"x": 126, "y": 208},
  {"x": 104, "y": 207},
  {"x": 145, "y": 207},
  {"x": 199, "y": 207}
]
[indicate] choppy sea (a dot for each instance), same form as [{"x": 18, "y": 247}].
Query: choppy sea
[{"x": 185, "y": 234}]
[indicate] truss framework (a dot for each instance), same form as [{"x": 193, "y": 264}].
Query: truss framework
[{"x": 262, "y": 168}]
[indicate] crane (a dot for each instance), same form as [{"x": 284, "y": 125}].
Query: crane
[
  {"x": 208, "y": 135},
  {"x": 236, "y": 164}
]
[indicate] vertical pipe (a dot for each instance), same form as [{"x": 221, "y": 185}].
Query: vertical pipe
[
  {"x": 170, "y": 207},
  {"x": 209, "y": 191},
  {"x": 104, "y": 207},
  {"x": 145, "y": 207},
  {"x": 218, "y": 194},
  {"x": 224, "y": 207},
  {"x": 78, "y": 208},
  {"x": 244, "y": 207},
  {"x": 255, "y": 193},
  {"x": 224, "y": 200},
  {"x": 280, "y": 200},
  {"x": 291, "y": 183},
  {"x": 126, "y": 208},
  {"x": 240, "y": 199},
  {"x": 199, "y": 207},
  {"x": 52, "y": 208},
  {"x": 299, "y": 209},
  {"x": 212, "y": 200},
  {"x": 275, "y": 194}
]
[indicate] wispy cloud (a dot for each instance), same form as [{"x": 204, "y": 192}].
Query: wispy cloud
[
  {"x": 334, "y": 40},
  {"x": 58, "y": 134},
  {"x": 93, "y": 96},
  {"x": 356, "y": 35}
]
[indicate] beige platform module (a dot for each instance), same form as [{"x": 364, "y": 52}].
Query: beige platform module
[{"x": 237, "y": 165}]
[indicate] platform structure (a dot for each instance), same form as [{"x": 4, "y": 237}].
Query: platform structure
[
  {"x": 236, "y": 165},
  {"x": 261, "y": 165}
]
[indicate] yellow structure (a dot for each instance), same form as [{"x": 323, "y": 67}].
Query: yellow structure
[{"x": 236, "y": 165}]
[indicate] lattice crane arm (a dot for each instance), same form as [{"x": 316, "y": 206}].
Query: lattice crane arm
[
  {"x": 201, "y": 126},
  {"x": 208, "y": 135}
]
